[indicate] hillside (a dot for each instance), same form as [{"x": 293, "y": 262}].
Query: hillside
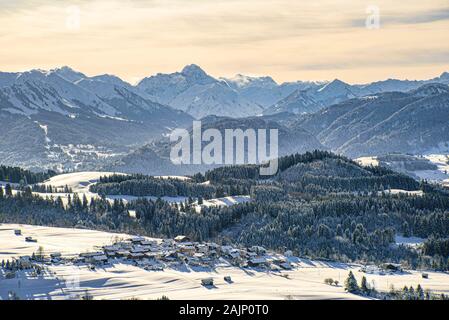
[
  {"x": 412, "y": 122},
  {"x": 154, "y": 159}
]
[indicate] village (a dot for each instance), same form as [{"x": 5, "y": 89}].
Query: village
[
  {"x": 64, "y": 263},
  {"x": 159, "y": 254}
]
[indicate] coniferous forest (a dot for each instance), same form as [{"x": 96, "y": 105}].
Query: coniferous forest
[{"x": 318, "y": 205}]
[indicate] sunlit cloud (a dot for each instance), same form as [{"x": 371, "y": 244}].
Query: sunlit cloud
[{"x": 287, "y": 39}]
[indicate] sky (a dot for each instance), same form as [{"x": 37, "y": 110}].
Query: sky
[{"x": 357, "y": 41}]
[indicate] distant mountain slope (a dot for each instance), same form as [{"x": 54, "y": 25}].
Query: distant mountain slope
[
  {"x": 52, "y": 121},
  {"x": 194, "y": 91},
  {"x": 154, "y": 159},
  {"x": 318, "y": 97},
  {"x": 264, "y": 90},
  {"x": 389, "y": 122},
  {"x": 314, "y": 99}
]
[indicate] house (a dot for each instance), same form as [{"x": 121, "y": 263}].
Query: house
[
  {"x": 288, "y": 253},
  {"x": 286, "y": 266},
  {"x": 226, "y": 249},
  {"x": 88, "y": 255},
  {"x": 153, "y": 255},
  {"x": 25, "y": 261},
  {"x": 132, "y": 214},
  {"x": 392, "y": 267},
  {"x": 99, "y": 259},
  {"x": 122, "y": 253},
  {"x": 155, "y": 267},
  {"x": 18, "y": 232},
  {"x": 257, "y": 262},
  {"x": 151, "y": 243},
  {"x": 137, "y": 240},
  {"x": 213, "y": 253},
  {"x": 143, "y": 263},
  {"x": 187, "y": 249},
  {"x": 207, "y": 282},
  {"x": 111, "y": 248},
  {"x": 193, "y": 261},
  {"x": 136, "y": 256},
  {"x": 139, "y": 249},
  {"x": 182, "y": 239},
  {"x": 234, "y": 254},
  {"x": 258, "y": 249},
  {"x": 124, "y": 245},
  {"x": 55, "y": 255},
  {"x": 202, "y": 248}
]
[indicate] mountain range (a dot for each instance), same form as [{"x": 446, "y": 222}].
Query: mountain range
[
  {"x": 154, "y": 159},
  {"x": 410, "y": 122},
  {"x": 67, "y": 120},
  {"x": 64, "y": 117}
]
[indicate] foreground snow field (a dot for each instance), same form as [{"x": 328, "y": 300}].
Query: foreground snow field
[{"x": 123, "y": 281}]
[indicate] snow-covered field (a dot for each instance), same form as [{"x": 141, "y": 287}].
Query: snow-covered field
[
  {"x": 409, "y": 241},
  {"x": 367, "y": 161},
  {"x": 122, "y": 281},
  {"x": 226, "y": 202},
  {"x": 442, "y": 162},
  {"x": 440, "y": 175},
  {"x": 407, "y": 192},
  {"x": 78, "y": 181}
]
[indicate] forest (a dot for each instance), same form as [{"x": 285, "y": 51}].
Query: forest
[{"x": 319, "y": 205}]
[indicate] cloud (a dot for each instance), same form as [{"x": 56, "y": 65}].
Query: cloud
[
  {"x": 396, "y": 59},
  {"x": 429, "y": 16},
  {"x": 288, "y": 39}
]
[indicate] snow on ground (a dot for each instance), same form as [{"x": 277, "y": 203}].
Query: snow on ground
[
  {"x": 126, "y": 199},
  {"x": 441, "y": 175},
  {"x": 122, "y": 281},
  {"x": 78, "y": 181},
  {"x": 4, "y": 183},
  {"x": 182, "y": 178},
  {"x": 442, "y": 162},
  {"x": 367, "y": 161},
  {"x": 409, "y": 241},
  {"x": 401, "y": 191},
  {"x": 226, "y": 202},
  {"x": 222, "y": 202}
]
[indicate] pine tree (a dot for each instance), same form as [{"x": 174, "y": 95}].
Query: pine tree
[
  {"x": 420, "y": 292},
  {"x": 364, "y": 285},
  {"x": 8, "y": 190},
  {"x": 351, "y": 283}
]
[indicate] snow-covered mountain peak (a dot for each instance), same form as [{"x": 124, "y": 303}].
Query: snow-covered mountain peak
[
  {"x": 194, "y": 71},
  {"x": 111, "y": 79},
  {"x": 244, "y": 81},
  {"x": 69, "y": 74},
  {"x": 336, "y": 89},
  {"x": 431, "y": 89},
  {"x": 335, "y": 85},
  {"x": 444, "y": 76}
]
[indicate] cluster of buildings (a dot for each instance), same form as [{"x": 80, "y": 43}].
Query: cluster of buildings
[
  {"x": 159, "y": 254},
  {"x": 156, "y": 255}
]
